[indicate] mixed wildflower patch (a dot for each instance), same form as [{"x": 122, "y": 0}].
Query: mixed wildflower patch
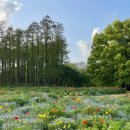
[{"x": 62, "y": 109}]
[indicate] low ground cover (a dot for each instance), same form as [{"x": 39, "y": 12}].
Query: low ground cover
[{"x": 39, "y": 108}]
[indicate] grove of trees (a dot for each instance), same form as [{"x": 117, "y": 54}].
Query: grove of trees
[
  {"x": 109, "y": 62},
  {"x": 38, "y": 56},
  {"x": 34, "y": 56}
]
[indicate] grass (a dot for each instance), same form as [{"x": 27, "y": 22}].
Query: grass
[{"x": 58, "y": 108}]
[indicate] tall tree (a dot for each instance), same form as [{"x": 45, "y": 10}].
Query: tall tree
[
  {"x": 33, "y": 56},
  {"x": 110, "y": 52}
]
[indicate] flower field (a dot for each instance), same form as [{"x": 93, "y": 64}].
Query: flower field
[{"x": 47, "y": 108}]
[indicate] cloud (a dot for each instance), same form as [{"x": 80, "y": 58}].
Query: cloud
[
  {"x": 8, "y": 8},
  {"x": 95, "y": 31},
  {"x": 84, "y": 47}
]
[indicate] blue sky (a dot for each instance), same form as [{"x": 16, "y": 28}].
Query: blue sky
[{"x": 79, "y": 17}]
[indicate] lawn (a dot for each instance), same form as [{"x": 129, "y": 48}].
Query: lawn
[{"x": 44, "y": 108}]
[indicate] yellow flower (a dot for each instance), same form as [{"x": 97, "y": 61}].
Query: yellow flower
[
  {"x": 33, "y": 103},
  {"x": 9, "y": 110},
  {"x": 54, "y": 110},
  {"x": 1, "y": 107},
  {"x": 78, "y": 100},
  {"x": 102, "y": 120},
  {"x": 42, "y": 115},
  {"x": 110, "y": 110},
  {"x": 106, "y": 112},
  {"x": 59, "y": 123},
  {"x": 69, "y": 126}
]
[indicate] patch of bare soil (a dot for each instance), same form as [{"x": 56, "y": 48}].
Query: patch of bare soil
[{"x": 127, "y": 94}]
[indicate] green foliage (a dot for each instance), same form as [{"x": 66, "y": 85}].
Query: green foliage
[
  {"x": 114, "y": 125},
  {"x": 71, "y": 109},
  {"x": 108, "y": 64},
  {"x": 72, "y": 77},
  {"x": 33, "y": 56},
  {"x": 19, "y": 102},
  {"x": 1, "y": 124}
]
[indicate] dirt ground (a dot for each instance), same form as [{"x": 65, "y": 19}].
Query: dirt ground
[{"x": 127, "y": 94}]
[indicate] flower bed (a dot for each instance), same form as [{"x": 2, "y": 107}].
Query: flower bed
[{"x": 62, "y": 109}]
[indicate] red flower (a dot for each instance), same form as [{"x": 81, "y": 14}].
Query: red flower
[
  {"x": 27, "y": 113},
  {"x": 16, "y": 117},
  {"x": 84, "y": 122}
]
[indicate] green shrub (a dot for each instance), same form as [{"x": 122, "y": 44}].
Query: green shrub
[
  {"x": 20, "y": 102},
  {"x": 1, "y": 124},
  {"x": 53, "y": 96}
]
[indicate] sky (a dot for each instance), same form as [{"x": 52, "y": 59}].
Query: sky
[{"x": 82, "y": 19}]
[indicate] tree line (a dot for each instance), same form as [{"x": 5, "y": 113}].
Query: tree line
[
  {"x": 38, "y": 56},
  {"x": 34, "y": 56}
]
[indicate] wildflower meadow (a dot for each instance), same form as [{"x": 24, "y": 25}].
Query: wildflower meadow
[{"x": 45, "y": 108}]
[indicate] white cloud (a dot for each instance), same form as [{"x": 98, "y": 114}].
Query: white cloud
[
  {"x": 8, "y": 8},
  {"x": 95, "y": 31},
  {"x": 85, "y": 48}
]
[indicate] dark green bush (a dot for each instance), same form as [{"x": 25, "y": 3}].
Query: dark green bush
[
  {"x": 1, "y": 124},
  {"x": 19, "y": 102}
]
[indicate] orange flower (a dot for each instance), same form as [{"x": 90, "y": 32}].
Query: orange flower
[
  {"x": 98, "y": 109},
  {"x": 54, "y": 110},
  {"x": 84, "y": 122},
  {"x": 84, "y": 112}
]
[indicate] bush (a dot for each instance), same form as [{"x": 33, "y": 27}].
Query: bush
[
  {"x": 1, "y": 124},
  {"x": 20, "y": 102}
]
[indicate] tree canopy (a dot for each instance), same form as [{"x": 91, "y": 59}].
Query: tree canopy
[
  {"x": 38, "y": 56},
  {"x": 109, "y": 62},
  {"x": 33, "y": 56}
]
